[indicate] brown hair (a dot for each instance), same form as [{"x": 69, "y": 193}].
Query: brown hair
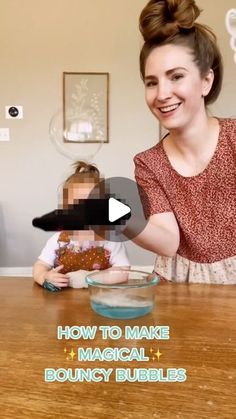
[
  {"x": 165, "y": 22},
  {"x": 83, "y": 172}
]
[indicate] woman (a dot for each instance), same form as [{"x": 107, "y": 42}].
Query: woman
[{"x": 188, "y": 180}]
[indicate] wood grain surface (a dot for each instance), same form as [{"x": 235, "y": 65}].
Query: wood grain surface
[{"x": 202, "y": 321}]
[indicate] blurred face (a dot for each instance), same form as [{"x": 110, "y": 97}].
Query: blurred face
[
  {"x": 74, "y": 193},
  {"x": 174, "y": 89}
]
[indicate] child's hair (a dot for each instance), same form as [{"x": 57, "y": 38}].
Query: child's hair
[
  {"x": 165, "y": 22},
  {"x": 84, "y": 172}
]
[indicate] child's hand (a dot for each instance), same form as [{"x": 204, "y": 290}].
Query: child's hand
[
  {"x": 77, "y": 279},
  {"x": 56, "y": 278}
]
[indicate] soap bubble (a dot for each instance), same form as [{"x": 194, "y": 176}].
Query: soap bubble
[
  {"x": 79, "y": 140},
  {"x": 230, "y": 22}
]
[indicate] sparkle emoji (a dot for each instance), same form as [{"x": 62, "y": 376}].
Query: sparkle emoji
[
  {"x": 70, "y": 355},
  {"x": 157, "y": 354}
]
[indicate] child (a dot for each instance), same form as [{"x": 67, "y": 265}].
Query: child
[{"x": 69, "y": 255}]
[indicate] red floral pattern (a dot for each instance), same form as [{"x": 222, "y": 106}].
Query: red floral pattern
[{"x": 204, "y": 205}]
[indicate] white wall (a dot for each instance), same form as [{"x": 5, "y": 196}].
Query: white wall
[{"x": 40, "y": 40}]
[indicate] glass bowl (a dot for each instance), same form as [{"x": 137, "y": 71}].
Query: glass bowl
[{"x": 122, "y": 293}]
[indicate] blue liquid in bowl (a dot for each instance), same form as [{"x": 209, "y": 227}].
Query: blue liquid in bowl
[{"x": 121, "y": 312}]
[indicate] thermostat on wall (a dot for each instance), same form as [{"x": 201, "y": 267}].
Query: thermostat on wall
[{"x": 14, "y": 112}]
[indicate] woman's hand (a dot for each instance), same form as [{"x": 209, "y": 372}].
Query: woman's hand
[{"x": 56, "y": 278}]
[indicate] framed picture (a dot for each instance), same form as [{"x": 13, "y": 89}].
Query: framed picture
[{"x": 85, "y": 107}]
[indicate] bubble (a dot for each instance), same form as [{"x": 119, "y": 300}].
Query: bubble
[
  {"x": 230, "y": 22},
  {"x": 79, "y": 141}
]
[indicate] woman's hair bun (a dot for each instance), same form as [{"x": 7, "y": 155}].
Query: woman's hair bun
[{"x": 161, "y": 19}]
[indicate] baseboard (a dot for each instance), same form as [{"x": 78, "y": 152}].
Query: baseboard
[
  {"x": 16, "y": 271},
  {"x": 27, "y": 270}
]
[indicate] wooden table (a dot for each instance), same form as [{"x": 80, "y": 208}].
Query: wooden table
[{"x": 202, "y": 321}]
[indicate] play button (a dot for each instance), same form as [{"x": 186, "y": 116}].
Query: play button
[
  {"x": 124, "y": 205},
  {"x": 117, "y": 210}
]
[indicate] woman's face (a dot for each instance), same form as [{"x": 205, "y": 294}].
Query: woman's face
[{"x": 174, "y": 89}]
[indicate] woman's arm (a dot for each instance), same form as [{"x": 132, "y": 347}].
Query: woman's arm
[{"x": 160, "y": 235}]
